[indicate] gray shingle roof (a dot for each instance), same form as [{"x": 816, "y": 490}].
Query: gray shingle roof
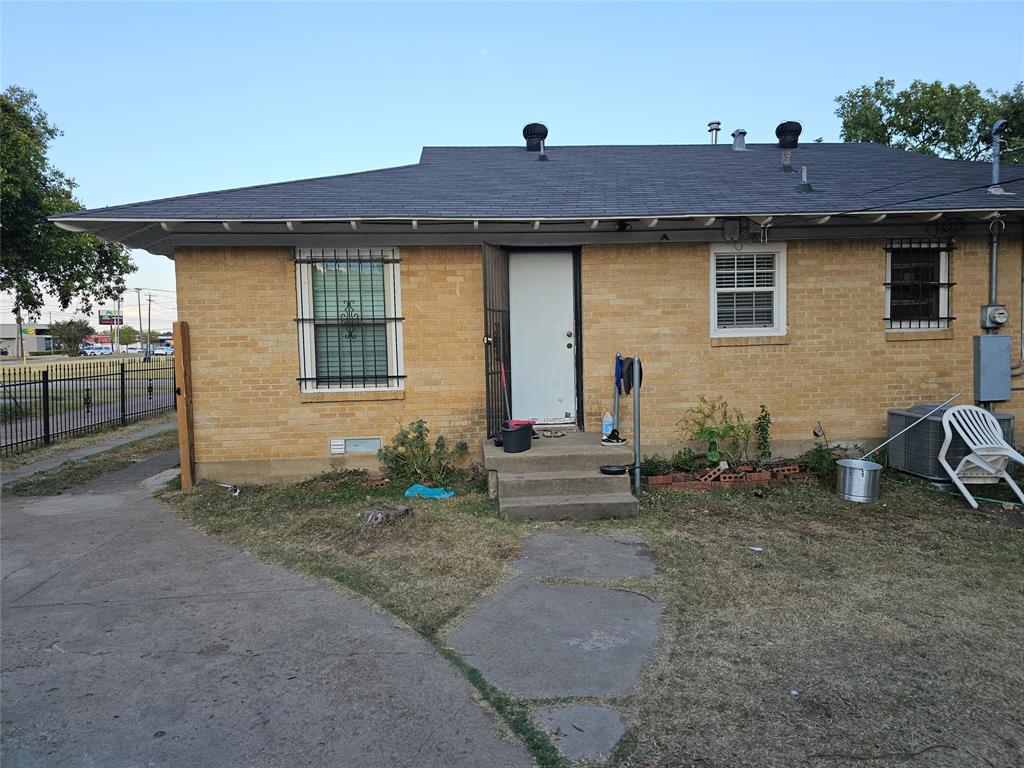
[{"x": 607, "y": 181}]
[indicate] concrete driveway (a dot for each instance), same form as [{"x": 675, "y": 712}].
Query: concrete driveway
[{"x": 130, "y": 639}]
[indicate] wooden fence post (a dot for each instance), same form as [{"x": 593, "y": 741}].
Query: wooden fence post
[{"x": 183, "y": 402}]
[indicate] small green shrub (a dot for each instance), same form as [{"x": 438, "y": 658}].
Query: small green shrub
[
  {"x": 655, "y": 464},
  {"x": 411, "y": 459},
  {"x": 684, "y": 460},
  {"x": 763, "y": 430},
  {"x": 724, "y": 430},
  {"x": 821, "y": 460}
]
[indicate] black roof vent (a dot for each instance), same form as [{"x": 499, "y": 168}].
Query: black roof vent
[
  {"x": 535, "y": 133},
  {"x": 788, "y": 133}
]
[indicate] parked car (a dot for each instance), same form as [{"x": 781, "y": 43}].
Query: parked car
[
  {"x": 163, "y": 351},
  {"x": 94, "y": 350}
]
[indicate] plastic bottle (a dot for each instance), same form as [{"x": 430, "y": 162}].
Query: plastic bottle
[{"x": 607, "y": 424}]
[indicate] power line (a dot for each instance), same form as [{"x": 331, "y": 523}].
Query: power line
[
  {"x": 160, "y": 290},
  {"x": 986, "y": 185}
]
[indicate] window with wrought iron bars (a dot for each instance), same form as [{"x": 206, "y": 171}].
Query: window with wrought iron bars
[
  {"x": 349, "y": 318},
  {"x": 917, "y": 285}
]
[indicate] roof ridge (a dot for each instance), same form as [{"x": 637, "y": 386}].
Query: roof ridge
[{"x": 549, "y": 146}]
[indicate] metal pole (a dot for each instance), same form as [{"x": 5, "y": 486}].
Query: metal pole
[
  {"x": 636, "y": 423},
  {"x": 46, "y": 407},
  {"x": 149, "y": 324},
  {"x": 995, "y": 160},
  {"x": 907, "y": 429},
  {"x": 615, "y": 397},
  {"x": 124, "y": 397},
  {"x": 138, "y": 295},
  {"x": 993, "y": 267}
]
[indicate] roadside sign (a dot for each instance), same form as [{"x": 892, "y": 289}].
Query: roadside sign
[{"x": 110, "y": 317}]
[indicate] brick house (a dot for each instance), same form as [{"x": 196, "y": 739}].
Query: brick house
[{"x": 325, "y": 313}]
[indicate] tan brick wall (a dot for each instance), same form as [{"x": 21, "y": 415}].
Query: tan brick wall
[
  {"x": 240, "y": 305},
  {"x": 837, "y": 364}
]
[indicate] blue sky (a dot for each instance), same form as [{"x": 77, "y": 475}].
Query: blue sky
[{"x": 160, "y": 99}]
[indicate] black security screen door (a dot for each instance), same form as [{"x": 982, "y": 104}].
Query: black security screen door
[{"x": 496, "y": 332}]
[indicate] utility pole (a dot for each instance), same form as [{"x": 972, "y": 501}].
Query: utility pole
[
  {"x": 21, "y": 340},
  {"x": 138, "y": 295},
  {"x": 149, "y": 322}
]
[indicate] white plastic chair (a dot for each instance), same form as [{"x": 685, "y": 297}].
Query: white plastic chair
[{"x": 988, "y": 453}]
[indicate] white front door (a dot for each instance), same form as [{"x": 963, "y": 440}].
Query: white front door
[{"x": 543, "y": 343}]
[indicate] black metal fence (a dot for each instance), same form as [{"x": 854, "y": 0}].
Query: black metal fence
[{"x": 40, "y": 406}]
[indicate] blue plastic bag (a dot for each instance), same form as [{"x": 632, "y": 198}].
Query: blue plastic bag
[{"x": 428, "y": 493}]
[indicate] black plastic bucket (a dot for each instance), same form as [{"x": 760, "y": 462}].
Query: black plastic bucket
[{"x": 517, "y": 439}]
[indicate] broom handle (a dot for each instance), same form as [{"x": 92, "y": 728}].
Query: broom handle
[
  {"x": 504, "y": 391},
  {"x": 907, "y": 429}
]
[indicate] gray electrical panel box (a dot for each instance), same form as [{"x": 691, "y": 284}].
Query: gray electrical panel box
[{"x": 991, "y": 368}]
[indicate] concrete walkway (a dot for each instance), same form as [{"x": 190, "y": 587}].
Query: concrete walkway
[
  {"x": 131, "y": 639},
  {"x": 543, "y": 640},
  {"x": 117, "y": 439}
]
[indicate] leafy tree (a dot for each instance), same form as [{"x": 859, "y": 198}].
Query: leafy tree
[
  {"x": 127, "y": 335},
  {"x": 70, "y": 333},
  {"x": 953, "y": 121},
  {"x": 37, "y": 258}
]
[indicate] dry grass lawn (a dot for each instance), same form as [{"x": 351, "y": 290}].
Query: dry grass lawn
[
  {"x": 55, "y": 481},
  {"x": 889, "y": 634},
  {"x": 881, "y": 635},
  {"x": 426, "y": 570}
]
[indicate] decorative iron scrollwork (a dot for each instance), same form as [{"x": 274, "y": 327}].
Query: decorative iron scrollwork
[{"x": 349, "y": 319}]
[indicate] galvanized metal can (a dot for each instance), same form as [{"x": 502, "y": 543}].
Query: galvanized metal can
[{"x": 857, "y": 480}]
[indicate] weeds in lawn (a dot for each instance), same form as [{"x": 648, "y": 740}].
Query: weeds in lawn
[
  {"x": 763, "y": 431},
  {"x": 724, "y": 430},
  {"x": 411, "y": 459},
  {"x": 821, "y": 461}
]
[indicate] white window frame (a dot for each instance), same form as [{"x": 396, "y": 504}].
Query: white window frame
[
  {"x": 943, "y": 323},
  {"x": 392, "y": 300},
  {"x": 780, "y": 328}
]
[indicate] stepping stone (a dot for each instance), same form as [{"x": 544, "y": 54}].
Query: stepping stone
[
  {"x": 594, "y": 556},
  {"x": 582, "y": 731},
  {"x": 559, "y": 640}
]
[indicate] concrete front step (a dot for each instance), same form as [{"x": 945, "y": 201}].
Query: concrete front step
[
  {"x": 575, "y": 451},
  {"x": 573, "y": 482},
  {"x": 587, "y": 507}
]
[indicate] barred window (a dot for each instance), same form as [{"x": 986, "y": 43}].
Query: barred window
[
  {"x": 747, "y": 292},
  {"x": 350, "y": 323},
  {"x": 917, "y": 285}
]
